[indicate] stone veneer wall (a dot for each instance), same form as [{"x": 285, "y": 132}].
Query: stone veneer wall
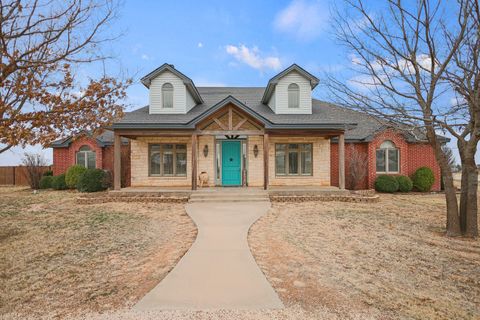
[
  {"x": 139, "y": 163},
  {"x": 206, "y": 164},
  {"x": 255, "y": 165},
  {"x": 320, "y": 158}
]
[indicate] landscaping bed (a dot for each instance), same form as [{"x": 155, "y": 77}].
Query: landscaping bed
[{"x": 60, "y": 258}]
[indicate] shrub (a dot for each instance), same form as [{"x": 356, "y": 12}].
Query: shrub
[
  {"x": 92, "y": 180},
  {"x": 72, "y": 175},
  {"x": 46, "y": 182},
  {"x": 58, "y": 182},
  {"x": 386, "y": 183},
  {"x": 405, "y": 184},
  {"x": 423, "y": 179},
  {"x": 34, "y": 165},
  {"x": 48, "y": 173}
]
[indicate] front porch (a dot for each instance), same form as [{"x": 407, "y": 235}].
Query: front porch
[{"x": 230, "y": 147}]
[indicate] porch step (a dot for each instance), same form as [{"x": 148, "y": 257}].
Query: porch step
[{"x": 229, "y": 196}]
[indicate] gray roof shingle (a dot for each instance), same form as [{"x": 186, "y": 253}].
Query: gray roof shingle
[{"x": 323, "y": 113}]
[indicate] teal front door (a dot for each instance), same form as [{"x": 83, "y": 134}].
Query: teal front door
[{"x": 231, "y": 163}]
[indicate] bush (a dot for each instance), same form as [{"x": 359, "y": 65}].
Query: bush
[
  {"x": 72, "y": 175},
  {"x": 92, "y": 180},
  {"x": 405, "y": 184},
  {"x": 34, "y": 164},
  {"x": 48, "y": 173},
  {"x": 423, "y": 179},
  {"x": 386, "y": 183},
  {"x": 46, "y": 182},
  {"x": 58, "y": 182}
]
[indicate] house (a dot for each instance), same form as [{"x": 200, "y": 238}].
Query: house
[{"x": 276, "y": 135}]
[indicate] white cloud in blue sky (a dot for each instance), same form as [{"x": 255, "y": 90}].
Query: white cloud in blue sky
[
  {"x": 305, "y": 20},
  {"x": 253, "y": 57}
]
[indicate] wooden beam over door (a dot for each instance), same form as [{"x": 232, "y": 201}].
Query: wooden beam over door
[
  {"x": 230, "y": 118},
  {"x": 265, "y": 161}
]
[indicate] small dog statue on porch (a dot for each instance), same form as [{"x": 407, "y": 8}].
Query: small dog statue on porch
[{"x": 203, "y": 178}]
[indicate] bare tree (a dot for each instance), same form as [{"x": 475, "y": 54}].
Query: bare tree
[
  {"x": 358, "y": 166},
  {"x": 34, "y": 168},
  {"x": 42, "y": 42},
  {"x": 449, "y": 156},
  {"x": 463, "y": 120},
  {"x": 401, "y": 57}
]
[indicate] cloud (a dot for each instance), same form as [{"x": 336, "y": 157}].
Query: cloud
[
  {"x": 200, "y": 45},
  {"x": 305, "y": 20},
  {"x": 252, "y": 57},
  {"x": 145, "y": 57}
]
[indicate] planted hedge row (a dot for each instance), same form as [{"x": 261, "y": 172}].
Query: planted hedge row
[
  {"x": 84, "y": 180},
  {"x": 422, "y": 180}
]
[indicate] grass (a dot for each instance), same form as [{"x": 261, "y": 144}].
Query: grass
[
  {"x": 387, "y": 260},
  {"x": 61, "y": 259}
]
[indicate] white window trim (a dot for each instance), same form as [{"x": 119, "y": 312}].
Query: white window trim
[
  {"x": 387, "y": 171},
  {"x": 297, "y": 91},
  {"x": 171, "y": 90},
  {"x": 85, "y": 156}
]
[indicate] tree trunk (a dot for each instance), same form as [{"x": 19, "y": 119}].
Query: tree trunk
[
  {"x": 468, "y": 196},
  {"x": 453, "y": 219}
]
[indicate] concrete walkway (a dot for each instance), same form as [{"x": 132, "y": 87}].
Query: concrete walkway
[{"x": 218, "y": 272}]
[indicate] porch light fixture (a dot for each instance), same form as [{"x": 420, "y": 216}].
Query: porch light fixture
[
  {"x": 205, "y": 150},
  {"x": 255, "y": 151}
]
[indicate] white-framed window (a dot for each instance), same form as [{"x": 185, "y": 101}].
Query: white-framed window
[
  {"x": 86, "y": 157},
  {"x": 167, "y": 95},
  {"x": 293, "y": 95},
  {"x": 167, "y": 159},
  {"x": 388, "y": 158}
]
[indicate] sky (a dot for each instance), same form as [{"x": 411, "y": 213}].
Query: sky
[{"x": 216, "y": 43}]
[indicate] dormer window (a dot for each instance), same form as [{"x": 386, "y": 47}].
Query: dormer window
[
  {"x": 293, "y": 96},
  {"x": 167, "y": 95}
]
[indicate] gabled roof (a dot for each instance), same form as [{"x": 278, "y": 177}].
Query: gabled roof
[
  {"x": 146, "y": 80},
  {"x": 294, "y": 67},
  {"x": 247, "y": 99}
]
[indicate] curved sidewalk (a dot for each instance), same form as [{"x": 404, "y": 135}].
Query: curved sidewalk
[{"x": 218, "y": 271}]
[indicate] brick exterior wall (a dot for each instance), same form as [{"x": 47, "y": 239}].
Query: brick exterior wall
[
  {"x": 63, "y": 158},
  {"x": 349, "y": 149},
  {"x": 412, "y": 156}
]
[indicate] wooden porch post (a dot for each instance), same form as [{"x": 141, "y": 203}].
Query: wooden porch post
[
  {"x": 265, "y": 161},
  {"x": 117, "y": 158},
  {"x": 194, "y": 161},
  {"x": 341, "y": 161}
]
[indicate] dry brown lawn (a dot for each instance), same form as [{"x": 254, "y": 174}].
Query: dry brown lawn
[
  {"x": 61, "y": 259},
  {"x": 326, "y": 260},
  {"x": 389, "y": 260}
]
